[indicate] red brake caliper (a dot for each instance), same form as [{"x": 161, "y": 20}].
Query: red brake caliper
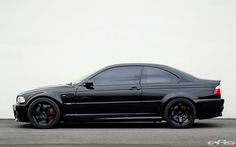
[
  {"x": 51, "y": 112},
  {"x": 185, "y": 109}
]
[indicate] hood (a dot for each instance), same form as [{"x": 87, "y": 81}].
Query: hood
[{"x": 43, "y": 89}]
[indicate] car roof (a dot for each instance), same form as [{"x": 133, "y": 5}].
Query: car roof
[
  {"x": 181, "y": 74},
  {"x": 137, "y": 64}
]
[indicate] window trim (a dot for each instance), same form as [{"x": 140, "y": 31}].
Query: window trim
[{"x": 139, "y": 80}]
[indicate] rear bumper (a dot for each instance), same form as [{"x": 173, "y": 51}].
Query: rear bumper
[
  {"x": 20, "y": 113},
  {"x": 208, "y": 108}
]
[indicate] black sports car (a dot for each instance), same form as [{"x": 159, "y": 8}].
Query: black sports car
[{"x": 124, "y": 92}]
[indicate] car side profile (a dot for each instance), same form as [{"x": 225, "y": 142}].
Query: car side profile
[{"x": 129, "y": 92}]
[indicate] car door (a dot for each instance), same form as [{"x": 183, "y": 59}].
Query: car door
[
  {"x": 114, "y": 91},
  {"x": 156, "y": 83}
]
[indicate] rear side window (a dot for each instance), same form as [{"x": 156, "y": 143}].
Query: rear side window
[
  {"x": 118, "y": 75},
  {"x": 156, "y": 75}
]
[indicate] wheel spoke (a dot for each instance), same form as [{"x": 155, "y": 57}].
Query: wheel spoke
[{"x": 180, "y": 119}]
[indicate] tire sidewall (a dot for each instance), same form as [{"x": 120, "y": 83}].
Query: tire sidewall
[
  {"x": 174, "y": 101},
  {"x": 32, "y": 120}
]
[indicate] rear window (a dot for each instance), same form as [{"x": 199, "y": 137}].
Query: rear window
[{"x": 156, "y": 75}]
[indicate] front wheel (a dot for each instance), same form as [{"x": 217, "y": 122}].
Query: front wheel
[
  {"x": 43, "y": 113},
  {"x": 180, "y": 113}
]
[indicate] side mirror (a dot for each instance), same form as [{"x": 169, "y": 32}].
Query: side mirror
[{"x": 88, "y": 85}]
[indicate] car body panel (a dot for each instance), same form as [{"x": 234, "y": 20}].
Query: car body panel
[
  {"x": 106, "y": 99},
  {"x": 136, "y": 101}
]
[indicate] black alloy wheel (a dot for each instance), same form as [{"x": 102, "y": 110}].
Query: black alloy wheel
[
  {"x": 43, "y": 113},
  {"x": 180, "y": 113}
]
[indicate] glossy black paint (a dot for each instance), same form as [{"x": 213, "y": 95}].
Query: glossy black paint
[{"x": 134, "y": 100}]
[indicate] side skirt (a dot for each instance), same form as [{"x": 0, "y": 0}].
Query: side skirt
[{"x": 113, "y": 117}]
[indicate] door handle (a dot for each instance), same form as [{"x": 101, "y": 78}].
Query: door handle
[{"x": 134, "y": 88}]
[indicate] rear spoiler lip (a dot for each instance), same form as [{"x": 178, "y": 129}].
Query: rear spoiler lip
[{"x": 211, "y": 83}]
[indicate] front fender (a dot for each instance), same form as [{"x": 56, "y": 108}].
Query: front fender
[{"x": 44, "y": 94}]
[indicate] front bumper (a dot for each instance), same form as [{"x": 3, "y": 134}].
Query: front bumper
[
  {"x": 20, "y": 113},
  {"x": 208, "y": 108}
]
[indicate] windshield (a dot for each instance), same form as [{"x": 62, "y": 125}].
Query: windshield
[
  {"x": 78, "y": 80},
  {"x": 82, "y": 78}
]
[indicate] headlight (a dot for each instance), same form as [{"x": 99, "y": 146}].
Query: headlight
[{"x": 20, "y": 100}]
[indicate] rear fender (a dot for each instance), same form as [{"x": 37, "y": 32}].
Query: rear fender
[{"x": 171, "y": 96}]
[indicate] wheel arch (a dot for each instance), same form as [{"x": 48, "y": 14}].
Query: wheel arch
[
  {"x": 171, "y": 97},
  {"x": 58, "y": 102}
]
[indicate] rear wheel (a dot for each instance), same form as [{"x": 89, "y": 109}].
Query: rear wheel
[
  {"x": 180, "y": 113},
  {"x": 43, "y": 113}
]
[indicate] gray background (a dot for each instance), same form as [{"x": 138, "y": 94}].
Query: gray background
[{"x": 52, "y": 42}]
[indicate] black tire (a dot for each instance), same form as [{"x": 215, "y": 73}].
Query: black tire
[
  {"x": 43, "y": 113},
  {"x": 180, "y": 113}
]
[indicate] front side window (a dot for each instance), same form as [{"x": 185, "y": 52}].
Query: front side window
[
  {"x": 156, "y": 75},
  {"x": 118, "y": 75}
]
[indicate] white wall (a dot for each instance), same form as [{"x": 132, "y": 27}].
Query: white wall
[{"x": 52, "y": 42}]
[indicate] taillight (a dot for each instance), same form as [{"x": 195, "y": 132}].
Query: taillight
[{"x": 217, "y": 91}]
